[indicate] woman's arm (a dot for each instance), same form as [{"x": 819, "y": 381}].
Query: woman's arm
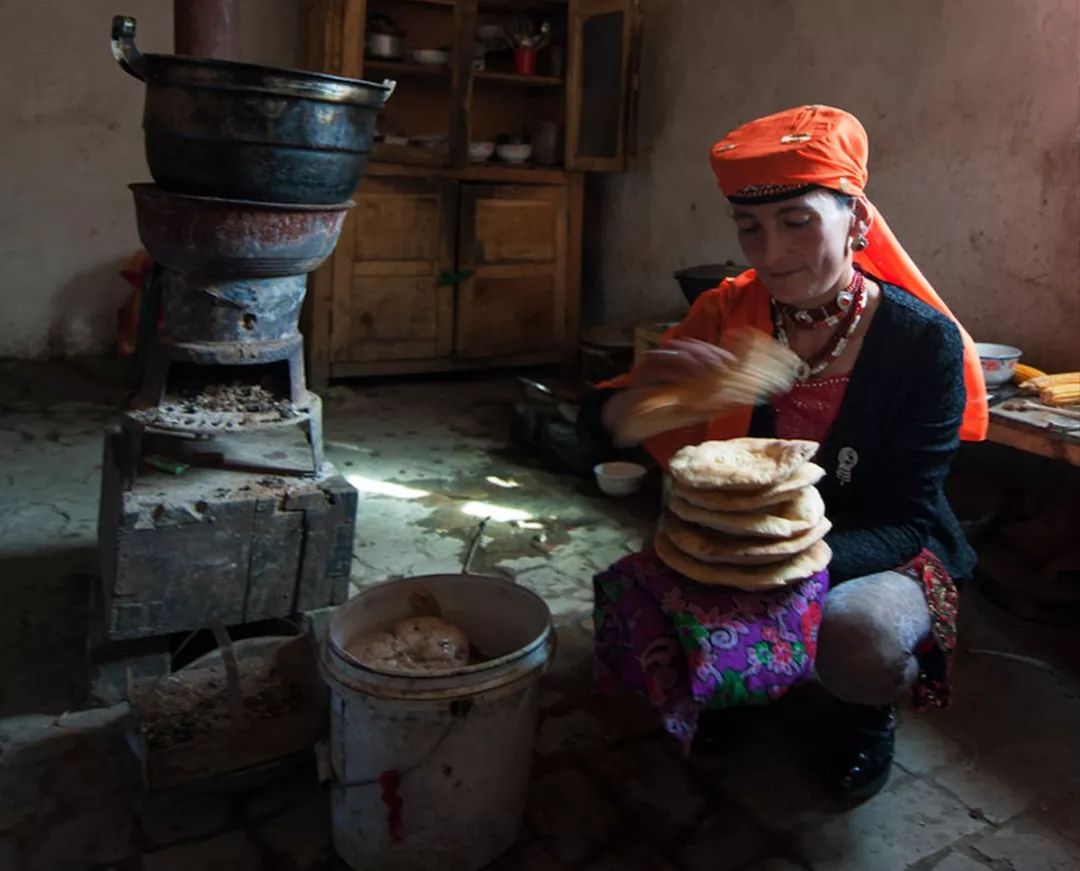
[{"x": 916, "y": 466}]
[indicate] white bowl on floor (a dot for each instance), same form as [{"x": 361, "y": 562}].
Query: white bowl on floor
[{"x": 618, "y": 478}]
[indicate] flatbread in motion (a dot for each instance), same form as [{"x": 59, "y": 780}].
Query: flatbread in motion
[{"x": 762, "y": 369}]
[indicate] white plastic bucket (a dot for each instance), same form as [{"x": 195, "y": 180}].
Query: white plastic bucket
[{"x": 430, "y": 772}]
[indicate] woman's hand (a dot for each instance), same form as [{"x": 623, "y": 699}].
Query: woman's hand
[{"x": 680, "y": 360}]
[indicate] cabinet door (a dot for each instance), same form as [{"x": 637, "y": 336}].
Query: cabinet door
[
  {"x": 602, "y": 84},
  {"x": 391, "y": 299},
  {"x": 513, "y": 250}
]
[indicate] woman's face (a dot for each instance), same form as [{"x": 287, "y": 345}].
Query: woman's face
[{"x": 799, "y": 247}]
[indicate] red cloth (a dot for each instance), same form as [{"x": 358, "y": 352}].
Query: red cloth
[
  {"x": 809, "y": 410},
  {"x": 135, "y": 273}
]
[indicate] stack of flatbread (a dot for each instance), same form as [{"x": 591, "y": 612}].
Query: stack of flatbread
[{"x": 745, "y": 513}]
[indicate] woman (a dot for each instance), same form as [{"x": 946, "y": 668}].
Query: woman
[{"x": 889, "y": 386}]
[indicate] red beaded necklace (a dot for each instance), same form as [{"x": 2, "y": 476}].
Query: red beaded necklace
[
  {"x": 828, "y": 315},
  {"x": 838, "y": 343}
]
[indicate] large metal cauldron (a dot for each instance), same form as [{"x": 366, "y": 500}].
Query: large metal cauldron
[
  {"x": 241, "y": 131},
  {"x": 218, "y": 238}
]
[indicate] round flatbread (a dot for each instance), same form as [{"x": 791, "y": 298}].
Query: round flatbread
[
  {"x": 415, "y": 644},
  {"x": 740, "y": 464},
  {"x": 708, "y": 546},
  {"x": 788, "y": 519},
  {"x": 751, "y": 578},
  {"x": 806, "y": 475}
]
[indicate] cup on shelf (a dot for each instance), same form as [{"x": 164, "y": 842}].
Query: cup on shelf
[{"x": 525, "y": 61}]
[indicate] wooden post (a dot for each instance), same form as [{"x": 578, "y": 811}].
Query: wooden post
[{"x": 206, "y": 28}]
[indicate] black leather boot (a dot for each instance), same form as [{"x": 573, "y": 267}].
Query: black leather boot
[
  {"x": 719, "y": 731},
  {"x": 862, "y": 759}
]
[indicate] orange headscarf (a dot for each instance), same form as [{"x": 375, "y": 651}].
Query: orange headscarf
[{"x": 776, "y": 155}]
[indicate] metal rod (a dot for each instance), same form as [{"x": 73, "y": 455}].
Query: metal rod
[
  {"x": 473, "y": 545},
  {"x": 206, "y": 28}
]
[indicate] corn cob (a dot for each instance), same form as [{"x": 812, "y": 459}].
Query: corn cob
[
  {"x": 1062, "y": 390},
  {"x": 1034, "y": 385},
  {"x": 1026, "y": 373}
]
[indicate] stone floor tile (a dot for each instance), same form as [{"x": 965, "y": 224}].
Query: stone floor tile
[
  {"x": 551, "y": 699},
  {"x": 181, "y": 815},
  {"x": 529, "y": 857},
  {"x": 569, "y": 816},
  {"x": 233, "y": 851},
  {"x": 633, "y": 857},
  {"x": 89, "y": 837},
  {"x": 766, "y": 773},
  {"x": 651, "y": 782},
  {"x": 570, "y": 671},
  {"x": 889, "y": 832},
  {"x": 1064, "y": 817},
  {"x": 1029, "y": 843},
  {"x": 9, "y": 854},
  {"x": 625, "y": 713},
  {"x": 775, "y": 864},
  {"x": 727, "y": 840},
  {"x": 956, "y": 860},
  {"x": 922, "y": 745},
  {"x": 576, "y": 730},
  {"x": 1004, "y": 783},
  {"x": 299, "y": 838}
]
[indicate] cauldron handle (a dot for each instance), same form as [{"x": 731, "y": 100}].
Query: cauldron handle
[{"x": 123, "y": 47}]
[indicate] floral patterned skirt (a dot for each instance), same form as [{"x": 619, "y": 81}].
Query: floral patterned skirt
[{"x": 689, "y": 647}]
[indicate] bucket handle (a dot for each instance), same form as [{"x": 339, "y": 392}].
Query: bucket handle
[
  {"x": 331, "y": 782},
  {"x": 474, "y": 543}
]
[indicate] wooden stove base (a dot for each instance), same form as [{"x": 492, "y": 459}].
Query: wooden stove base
[{"x": 179, "y": 551}]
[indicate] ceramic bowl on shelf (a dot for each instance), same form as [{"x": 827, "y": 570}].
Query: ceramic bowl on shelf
[
  {"x": 514, "y": 153},
  {"x": 480, "y": 152},
  {"x": 435, "y": 141},
  {"x": 998, "y": 362},
  {"x": 430, "y": 57}
]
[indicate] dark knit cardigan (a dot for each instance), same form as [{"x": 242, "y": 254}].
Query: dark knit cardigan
[{"x": 901, "y": 417}]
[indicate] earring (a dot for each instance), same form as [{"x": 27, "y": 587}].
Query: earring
[{"x": 859, "y": 243}]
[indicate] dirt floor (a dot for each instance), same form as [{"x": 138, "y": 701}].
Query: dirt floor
[{"x": 992, "y": 783}]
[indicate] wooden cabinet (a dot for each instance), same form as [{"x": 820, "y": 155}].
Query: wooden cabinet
[
  {"x": 513, "y": 241},
  {"x": 445, "y": 264},
  {"x": 389, "y": 298}
]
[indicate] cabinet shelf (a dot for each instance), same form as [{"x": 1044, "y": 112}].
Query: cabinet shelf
[
  {"x": 520, "y": 81},
  {"x": 401, "y": 68},
  {"x": 444, "y": 3},
  {"x": 521, "y": 5}
]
